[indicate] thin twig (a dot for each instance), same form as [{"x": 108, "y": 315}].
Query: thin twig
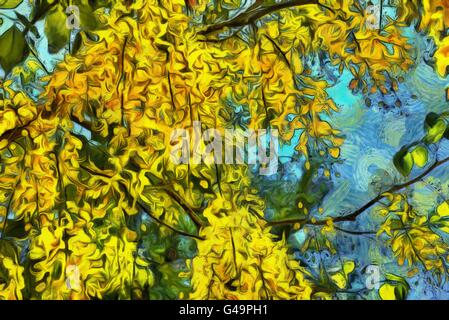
[
  {"x": 353, "y": 216},
  {"x": 256, "y": 12},
  {"x": 140, "y": 204}
]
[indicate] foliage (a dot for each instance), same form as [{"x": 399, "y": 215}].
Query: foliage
[{"x": 92, "y": 206}]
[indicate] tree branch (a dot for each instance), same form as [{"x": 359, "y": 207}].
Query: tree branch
[
  {"x": 8, "y": 208},
  {"x": 14, "y": 133},
  {"x": 255, "y": 12},
  {"x": 353, "y": 216},
  {"x": 381, "y": 14},
  {"x": 122, "y": 80},
  {"x": 189, "y": 210},
  {"x": 183, "y": 233},
  {"x": 140, "y": 204}
]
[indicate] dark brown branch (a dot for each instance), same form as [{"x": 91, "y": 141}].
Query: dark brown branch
[
  {"x": 189, "y": 210},
  {"x": 255, "y": 12},
  {"x": 61, "y": 186},
  {"x": 8, "y": 208},
  {"x": 381, "y": 14},
  {"x": 95, "y": 172},
  {"x": 14, "y": 133},
  {"x": 122, "y": 94},
  {"x": 183, "y": 233},
  {"x": 264, "y": 286},
  {"x": 281, "y": 53},
  {"x": 353, "y": 216},
  {"x": 36, "y": 56},
  {"x": 356, "y": 232},
  {"x": 140, "y": 204},
  {"x": 172, "y": 97}
]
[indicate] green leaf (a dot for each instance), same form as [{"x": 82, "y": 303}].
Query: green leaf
[
  {"x": 436, "y": 132},
  {"x": 395, "y": 288},
  {"x": 420, "y": 156},
  {"x": 27, "y": 24},
  {"x": 13, "y": 49},
  {"x": 7, "y": 248},
  {"x": 15, "y": 229},
  {"x": 395, "y": 278},
  {"x": 10, "y": 4},
  {"x": 387, "y": 292},
  {"x": 431, "y": 119},
  {"x": 56, "y": 30},
  {"x": 88, "y": 19},
  {"x": 403, "y": 161},
  {"x": 400, "y": 292},
  {"x": 77, "y": 43}
]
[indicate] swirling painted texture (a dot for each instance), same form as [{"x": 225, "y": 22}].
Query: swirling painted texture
[{"x": 92, "y": 205}]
